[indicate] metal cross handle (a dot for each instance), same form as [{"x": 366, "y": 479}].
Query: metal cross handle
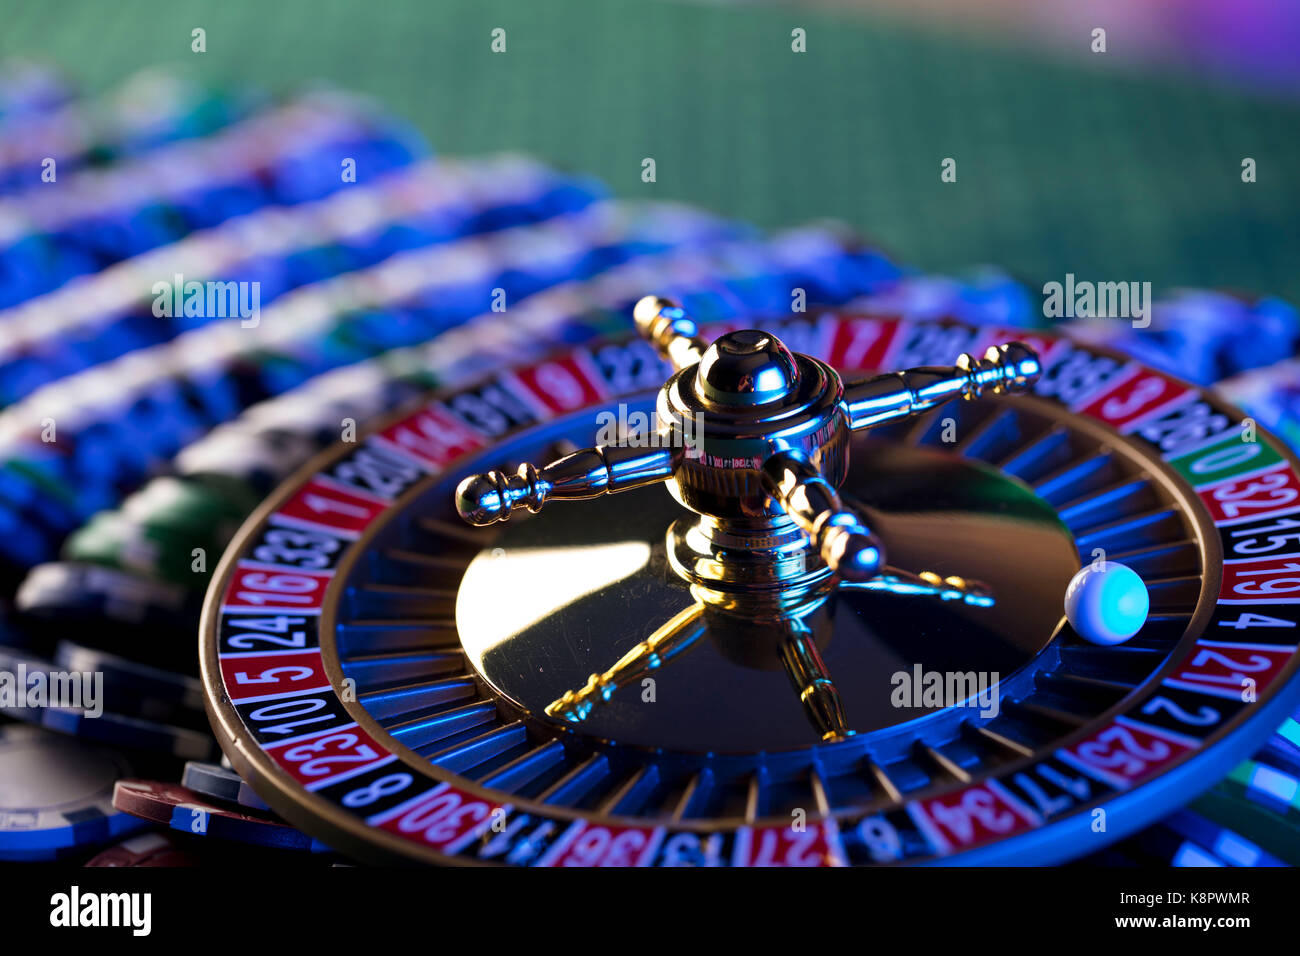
[{"x": 753, "y": 371}]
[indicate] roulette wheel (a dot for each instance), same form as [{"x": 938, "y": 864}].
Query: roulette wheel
[{"x": 735, "y": 668}]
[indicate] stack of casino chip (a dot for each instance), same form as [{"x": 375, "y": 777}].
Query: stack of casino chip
[
  {"x": 1271, "y": 396},
  {"x": 209, "y": 816},
  {"x": 1200, "y": 335},
  {"x": 143, "y": 113},
  {"x": 209, "y": 813},
  {"x": 168, "y": 429},
  {"x": 53, "y": 232},
  {"x": 148, "y": 710},
  {"x": 113, "y": 312}
]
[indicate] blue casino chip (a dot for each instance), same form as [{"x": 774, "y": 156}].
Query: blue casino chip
[{"x": 56, "y": 795}]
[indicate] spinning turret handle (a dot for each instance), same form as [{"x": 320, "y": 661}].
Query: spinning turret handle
[
  {"x": 842, "y": 540},
  {"x": 837, "y": 534},
  {"x": 672, "y": 332},
  {"x": 590, "y": 473}
]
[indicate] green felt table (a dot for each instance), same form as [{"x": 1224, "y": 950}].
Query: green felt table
[{"x": 1065, "y": 164}]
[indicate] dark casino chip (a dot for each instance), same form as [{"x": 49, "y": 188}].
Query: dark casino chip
[
  {"x": 182, "y": 809},
  {"x": 73, "y": 590},
  {"x": 131, "y": 732},
  {"x": 130, "y": 687},
  {"x": 56, "y": 794},
  {"x": 174, "y": 555},
  {"x": 1288, "y": 736},
  {"x": 1266, "y": 785},
  {"x": 1254, "y": 822},
  {"x": 147, "y": 849},
  {"x": 1159, "y": 845},
  {"x": 112, "y": 610},
  {"x": 167, "y": 531},
  {"x": 256, "y": 458},
  {"x": 78, "y": 702},
  {"x": 170, "y": 502},
  {"x": 15, "y": 632},
  {"x": 1222, "y": 841},
  {"x": 177, "y": 691},
  {"x": 1282, "y": 755},
  {"x": 220, "y": 783}
]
